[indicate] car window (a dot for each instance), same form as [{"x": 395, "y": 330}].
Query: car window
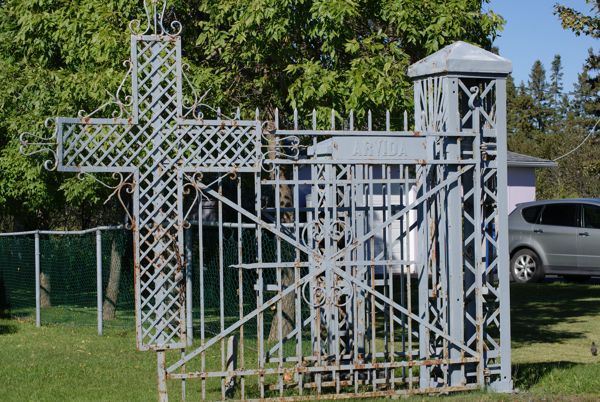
[
  {"x": 559, "y": 215},
  {"x": 591, "y": 216},
  {"x": 530, "y": 214}
]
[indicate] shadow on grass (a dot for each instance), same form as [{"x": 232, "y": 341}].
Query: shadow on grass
[
  {"x": 537, "y": 308},
  {"x": 527, "y": 375},
  {"x": 6, "y": 329}
]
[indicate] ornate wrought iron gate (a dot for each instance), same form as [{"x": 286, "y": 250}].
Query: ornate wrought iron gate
[{"x": 388, "y": 270}]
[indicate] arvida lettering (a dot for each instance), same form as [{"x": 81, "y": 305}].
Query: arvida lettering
[{"x": 378, "y": 148}]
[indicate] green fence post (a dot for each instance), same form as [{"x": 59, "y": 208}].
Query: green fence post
[{"x": 99, "y": 278}]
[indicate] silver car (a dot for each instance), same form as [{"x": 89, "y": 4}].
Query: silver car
[{"x": 555, "y": 237}]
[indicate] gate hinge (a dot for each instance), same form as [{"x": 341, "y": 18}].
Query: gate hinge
[{"x": 488, "y": 151}]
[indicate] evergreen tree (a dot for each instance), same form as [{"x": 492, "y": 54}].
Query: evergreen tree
[
  {"x": 589, "y": 25},
  {"x": 592, "y": 87},
  {"x": 582, "y": 91},
  {"x": 555, "y": 87},
  {"x": 537, "y": 88},
  {"x": 521, "y": 119},
  {"x": 578, "y": 174}
]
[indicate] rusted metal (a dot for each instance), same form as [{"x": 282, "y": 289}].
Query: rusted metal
[{"x": 358, "y": 251}]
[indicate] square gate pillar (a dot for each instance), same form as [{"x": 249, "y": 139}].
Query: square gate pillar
[{"x": 460, "y": 98}]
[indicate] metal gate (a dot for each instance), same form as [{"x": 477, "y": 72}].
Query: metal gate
[{"x": 355, "y": 261}]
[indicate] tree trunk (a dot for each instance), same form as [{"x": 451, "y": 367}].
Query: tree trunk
[
  {"x": 287, "y": 274},
  {"x": 114, "y": 279},
  {"x": 45, "y": 290},
  {"x": 4, "y": 307}
]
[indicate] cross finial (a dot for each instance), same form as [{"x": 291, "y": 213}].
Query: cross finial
[{"x": 155, "y": 15}]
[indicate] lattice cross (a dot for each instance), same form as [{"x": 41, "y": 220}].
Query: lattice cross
[{"x": 155, "y": 146}]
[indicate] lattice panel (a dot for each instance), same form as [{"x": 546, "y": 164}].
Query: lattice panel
[{"x": 225, "y": 147}]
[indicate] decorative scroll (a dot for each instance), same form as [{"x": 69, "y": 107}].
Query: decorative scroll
[
  {"x": 317, "y": 294},
  {"x": 33, "y": 144},
  {"x": 123, "y": 102},
  {"x": 155, "y": 20}
]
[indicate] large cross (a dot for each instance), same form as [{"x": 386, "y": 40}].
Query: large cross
[{"x": 155, "y": 147}]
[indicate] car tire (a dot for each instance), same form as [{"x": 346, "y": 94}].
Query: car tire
[{"x": 526, "y": 267}]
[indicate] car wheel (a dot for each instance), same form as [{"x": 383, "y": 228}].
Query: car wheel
[{"x": 525, "y": 266}]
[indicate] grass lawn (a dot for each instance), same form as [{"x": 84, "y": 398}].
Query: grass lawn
[{"x": 553, "y": 326}]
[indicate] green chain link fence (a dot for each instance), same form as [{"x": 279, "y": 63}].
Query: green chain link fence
[
  {"x": 68, "y": 285},
  {"x": 234, "y": 243},
  {"x": 68, "y": 278}
]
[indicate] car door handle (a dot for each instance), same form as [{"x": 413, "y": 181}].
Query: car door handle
[
  {"x": 538, "y": 231},
  {"x": 584, "y": 234}
]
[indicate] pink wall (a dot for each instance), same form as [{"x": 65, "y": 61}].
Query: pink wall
[{"x": 521, "y": 186}]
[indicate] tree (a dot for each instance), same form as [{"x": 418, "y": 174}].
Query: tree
[
  {"x": 109, "y": 307},
  {"x": 58, "y": 57},
  {"x": 578, "y": 173},
  {"x": 342, "y": 54},
  {"x": 589, "y": 25},
  {"x": 55, "y": 58},
  {"x": 537, "y": 88},
  {"x": 520, "y": 106},
  {"x": 556, "y": 79},
  {"x": 558, "y": 101},
  {"x": 579, "y": 22}
]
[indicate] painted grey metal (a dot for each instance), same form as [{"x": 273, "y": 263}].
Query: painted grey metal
[
  {"x": 336, "y": 260},
  {"x": 461, "y": 58},
  {"x": 59, "y": 232},
  {"x": 189, "y": 284},
  {"x": 477, "y": 105},
  {"x": 38, "y": 270},
  {"x": 99, "y": 296}
]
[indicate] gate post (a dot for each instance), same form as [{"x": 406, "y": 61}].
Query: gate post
[{"x": 460, "y": 103}]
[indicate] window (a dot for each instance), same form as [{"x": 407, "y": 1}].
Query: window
[
  {"x": 591, "y": 216},
  {"x": 530, "y": 214},
  {"x": 559, "y": 215}
]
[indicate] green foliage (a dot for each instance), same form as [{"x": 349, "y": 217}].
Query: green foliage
[
  {"x": 557, "y": 99},
  {"x": 589, "y": 25},
  {"x": 59, "y": 56},
  {"x": 56, "y": 57},
  {"x": 537, "y": 88},
  {"x": 564, "y": 126},
  {"x": 546, "y": 122},
  {"x": 579, "y": 22},
  {"x": 342, "y": 54}
]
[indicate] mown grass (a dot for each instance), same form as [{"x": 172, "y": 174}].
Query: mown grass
[{"x": 553, "y": 325}]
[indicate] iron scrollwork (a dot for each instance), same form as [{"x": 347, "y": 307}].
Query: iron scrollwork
[
  {"x": 155, "y": 17},
  {"x": 320, "y": 294},
  {"x": 33, "y": 144}
]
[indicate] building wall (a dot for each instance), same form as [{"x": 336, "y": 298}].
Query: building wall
[{"x": 521, "y": 186}]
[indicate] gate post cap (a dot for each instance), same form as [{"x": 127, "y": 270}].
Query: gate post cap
[{"x": 461, "y": 58}]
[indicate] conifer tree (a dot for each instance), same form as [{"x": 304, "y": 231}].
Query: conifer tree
[
  {"x": 537, "y": 88},
  {"x": 555, "y": 89},
  {"x": 589, "y": 25}
]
